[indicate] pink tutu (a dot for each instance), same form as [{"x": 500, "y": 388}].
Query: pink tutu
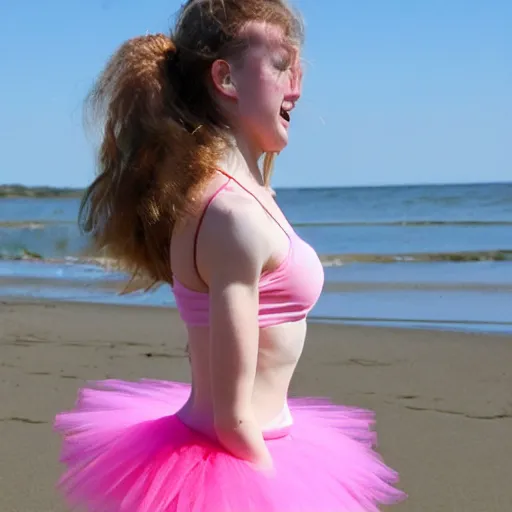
[{"x": 127, "y": 451}]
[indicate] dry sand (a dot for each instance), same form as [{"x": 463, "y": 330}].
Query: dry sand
[{"x": 443, "y": 399}]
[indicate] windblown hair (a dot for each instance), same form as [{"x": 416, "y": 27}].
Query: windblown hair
[{"x": 162, "y": 132}]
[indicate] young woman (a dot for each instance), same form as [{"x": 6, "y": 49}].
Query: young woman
[{"x": 181, "y": 198}]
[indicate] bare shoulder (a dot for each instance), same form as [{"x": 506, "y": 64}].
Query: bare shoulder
[
  {"x": 232, "y": 236},
  {"x": 234, "y": 213}
]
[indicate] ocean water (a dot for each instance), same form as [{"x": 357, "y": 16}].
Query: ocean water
[{"x": 431, "y": 256}]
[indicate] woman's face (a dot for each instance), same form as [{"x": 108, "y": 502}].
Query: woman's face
[{"x": 267, "y": 84}]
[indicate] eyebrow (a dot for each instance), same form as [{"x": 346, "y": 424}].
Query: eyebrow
[
  {"x": 282, "y": 44},
  {"x": 274, "y": 43}
]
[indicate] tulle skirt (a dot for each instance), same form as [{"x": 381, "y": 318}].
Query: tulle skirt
[{"x": 125, "y": 450}]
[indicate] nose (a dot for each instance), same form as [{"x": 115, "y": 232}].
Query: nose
[{"x": 295, "y": 82}]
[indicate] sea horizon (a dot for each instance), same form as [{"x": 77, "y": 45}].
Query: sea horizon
[{"x": 19, "y": 190}]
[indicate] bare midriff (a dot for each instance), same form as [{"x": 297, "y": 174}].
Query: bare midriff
[{"x": 279, "y": 350}]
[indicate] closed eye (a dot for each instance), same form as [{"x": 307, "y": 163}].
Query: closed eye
[
  {"x": 282, "y": 64},
  {"x": 282, "y": 61}
]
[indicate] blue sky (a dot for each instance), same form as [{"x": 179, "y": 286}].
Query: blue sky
[{"x": 396, "y": 91}]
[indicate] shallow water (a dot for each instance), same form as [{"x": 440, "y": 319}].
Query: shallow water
[{"x": 435, "y": 256}]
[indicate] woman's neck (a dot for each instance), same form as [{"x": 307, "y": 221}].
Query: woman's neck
[{"x": 241, "y": 161}]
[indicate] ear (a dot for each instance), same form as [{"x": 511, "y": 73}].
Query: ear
[{"x": 223, "y": 80}]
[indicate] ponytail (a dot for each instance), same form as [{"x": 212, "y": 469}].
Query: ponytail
[{"x": 149, "y": 160}]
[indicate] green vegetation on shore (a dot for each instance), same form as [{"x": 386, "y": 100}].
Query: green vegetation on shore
[{"x": 11, "y": 191}]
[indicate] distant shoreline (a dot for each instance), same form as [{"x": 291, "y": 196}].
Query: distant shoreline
[
  {"x": 21, "y": 191},
  {"x": 12, "y": 191}
]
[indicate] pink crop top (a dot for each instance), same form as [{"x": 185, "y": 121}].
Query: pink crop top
[{"x": 286, "y": 294}]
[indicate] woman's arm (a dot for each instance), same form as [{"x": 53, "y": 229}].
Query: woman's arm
[{"x": 233, "y": 251}]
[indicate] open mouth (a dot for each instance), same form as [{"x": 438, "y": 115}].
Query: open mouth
[{"x": 285, "y": 115}]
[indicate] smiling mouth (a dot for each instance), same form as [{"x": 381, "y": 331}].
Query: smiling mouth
[{"x": 285, "y": 115}]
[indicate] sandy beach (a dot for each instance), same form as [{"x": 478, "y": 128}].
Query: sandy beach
[{"x": 443, "y": 399}]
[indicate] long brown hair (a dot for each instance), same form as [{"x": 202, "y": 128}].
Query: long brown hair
[{"x": 162, "y": 133}]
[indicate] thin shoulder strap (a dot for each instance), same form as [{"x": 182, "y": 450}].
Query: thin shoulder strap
[
  {"x": 209, "y": 202},
  {"x": 201, "y": 218},
  {"x": 256, "y": 199}
]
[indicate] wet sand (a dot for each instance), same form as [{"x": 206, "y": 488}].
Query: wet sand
[{"x": 443, "y": 399}]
